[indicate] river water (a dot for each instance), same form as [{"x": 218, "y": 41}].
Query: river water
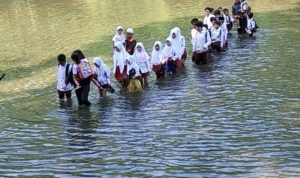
[{"x": 237, "y": 117}]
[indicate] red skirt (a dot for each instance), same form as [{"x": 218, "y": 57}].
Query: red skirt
[{"x": 121, "y": 76}]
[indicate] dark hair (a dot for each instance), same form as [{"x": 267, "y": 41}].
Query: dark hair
[
  {"x": 250, "y": 15},
  {"x": 199, "y": 24},
  {"x": 217, "y": 23},
  {"x": 194, "y": 20},
  {"x": 132, "y": 72},
  {"x": 213, "y": 19},
  {"x": 225, "y": 10},
  {"x": 217, "y": 12},
  {"x": 77, "y": 55},
  {"x": 205, "y": 26},
  {"x": 61, "y": 57},
  {"x": 220, "y": 8},
  {"x": 208, "y": 8},
  {"x": 221, "y": 18}
]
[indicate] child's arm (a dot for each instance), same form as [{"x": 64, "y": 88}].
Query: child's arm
[{"x": 96, "y": 83}]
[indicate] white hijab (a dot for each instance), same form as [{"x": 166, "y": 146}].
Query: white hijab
[
  {"x": 157, "y": 56},
  {"x": 119, "y": 37},
  {"x": 120, "y": 57},
  {"x": 178, "y": 42},
  {"x": 168, "y": 50},
  {"x": 102, "y": 69},
  {"x": 140, "y": 56}
]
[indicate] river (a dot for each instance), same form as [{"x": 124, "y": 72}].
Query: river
[{"x": 236, "y": 117}]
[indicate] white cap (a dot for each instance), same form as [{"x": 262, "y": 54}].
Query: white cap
[{"x": 129, "y": 30}]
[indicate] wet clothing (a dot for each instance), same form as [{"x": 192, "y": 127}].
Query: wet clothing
[{"x": 135, "y": 86}]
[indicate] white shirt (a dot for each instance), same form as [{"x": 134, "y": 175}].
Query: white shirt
[
  {"x": 207, "y": 20},
  {"x": 61, "y": 78},
  {"x": 202, "y": 41}
]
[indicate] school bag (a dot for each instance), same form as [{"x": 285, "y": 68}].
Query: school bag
[
  {"x": 84, "y": 70},
  {"x": 69, "y": 75}
]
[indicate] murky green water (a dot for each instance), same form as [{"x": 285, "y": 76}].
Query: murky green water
[{"x": 237, "y": 117}]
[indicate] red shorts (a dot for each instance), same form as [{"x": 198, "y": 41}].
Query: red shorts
[
  {"x": 217, "y": 46},
  {"x": 201, "y": 57},
  {"x": 120, "y": 76}
]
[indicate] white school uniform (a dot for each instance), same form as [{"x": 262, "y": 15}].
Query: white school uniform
[
  {"x": 61, "y": 78},
  {"x": 207, "y": 20},
  {"x": 178, "y": 43},
  {"x": 156, "y": 55},
  {"x": 141, "y": 59},
  {"x": 102, "y": 73},
  {"x": 217, "y": 35},
  {"x": 202, "y": 41},
  {"x": 119, "y": 37}
]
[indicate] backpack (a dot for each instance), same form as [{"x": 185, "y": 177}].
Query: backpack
[
  {"x": 84, "y": 70},
  {"x": 69, "y": 75}
]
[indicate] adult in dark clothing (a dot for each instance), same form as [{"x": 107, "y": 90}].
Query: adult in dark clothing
[
  {"x": 240, "y": 16},
  {"x": 82, "y": 77},
  {"x": 130, "y": 41}
]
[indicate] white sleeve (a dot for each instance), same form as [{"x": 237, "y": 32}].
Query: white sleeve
[
  {"x": 74, "y": 69},
  {"x": 252, "y": 24},
  {"x": 115, "y": 65}
]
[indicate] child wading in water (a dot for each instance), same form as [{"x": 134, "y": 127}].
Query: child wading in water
[
  {"x": 82, "y": 75},
  {"x": 158, "y": 66},
  {"x": 141, "y": 59},
  {"x": 121, "y": 62},
  {"x": 102, "y": 75},
  {"x": 64, "y": 78}
]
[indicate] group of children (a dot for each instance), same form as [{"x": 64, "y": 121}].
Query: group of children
[
  {"x": 211, "y": 34},
  {"x": 132, "y": 64}
]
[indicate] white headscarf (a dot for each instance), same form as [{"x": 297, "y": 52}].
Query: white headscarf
[
  {"x": 157, "y": 56},
  {"x": 141, "y": 58},
  {"x": 101, "y": 70},
  {"x": 168, "y": 50},
  {"x": 119, "y": 37},
  {"x": 178, "y": 42},
  {"x": 120, "y": 57}
]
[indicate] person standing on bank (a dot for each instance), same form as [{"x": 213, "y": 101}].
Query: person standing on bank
[
  {"x": 64, "y": 78},
  {"x": 130, "y": 41},
  {"x": 119, "y": 36},
  {"x": 82, "y": 76}
]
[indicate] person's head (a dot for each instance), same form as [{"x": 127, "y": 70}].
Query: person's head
[
  {"x": 220, "y": 9},
  {"x": 237, "y": 1},
  {"x": 139, "y": 48},
  {"x": 77, "y": 55},
  {"x": 216, "y": 24},
  {"x": 217, "y": 12},
  {"x": 250, "y": 15},
  {"x": 118, "y": 46},
  {"x": 61, "y": 59},
  {"x": 129, "y": 32},
  {"x": 199, "y": 25},
  {"x": 97, "y": 61},
  {"x": 221, "y": 19},
  {"x": 193, "y": 21},
  {"x": 207, "y": 11},
  {"x": 226, "y": 11},
  {"x": 168, "y": 42},
  {"x": 157, "y": 47},
  {"x": 119, "y": 30},
  {"x": 213, "y": 20}
]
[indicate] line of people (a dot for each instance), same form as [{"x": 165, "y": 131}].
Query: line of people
[
  {"x": 211, "y": 34},
  {"x": 132, "y": 64}
]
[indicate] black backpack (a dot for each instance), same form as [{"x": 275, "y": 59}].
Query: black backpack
[{"x": 69, "y": 75}]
